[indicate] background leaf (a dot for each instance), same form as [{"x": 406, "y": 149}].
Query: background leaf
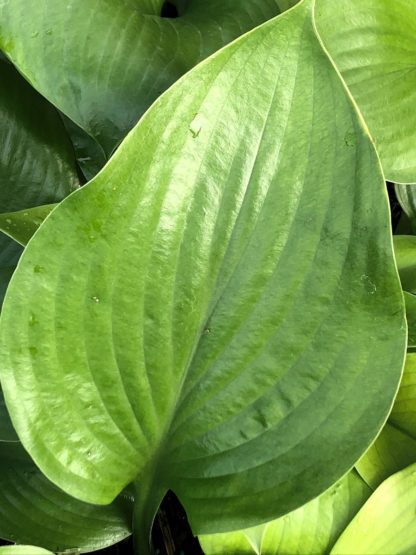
[
  {"x": 37, "y": 163},
  {"x": 227, "y": 297},
  {"x": 395, "y": 448},
  {"x": 22, "y": 225},
  {"x": 386, "y": 523},
  {"x": 405, "y": 253},
  {"x": 34, "y": 511},
  {"x": 373, "y": 45},
  {"x": 312, "y": 529},
  {"x": 108, "y": 61}
]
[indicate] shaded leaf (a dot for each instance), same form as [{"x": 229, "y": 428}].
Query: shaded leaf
[
  {"x": 22, "y": 225},
  {"x": 405, "y": 253},
  {"x": 243, "y": 332},
  {"x": 406, "y": 195},
  {"x": 410, "y": 301},
  {"x": 37, "y": 164},
  {"x": 33, "y": 510}
]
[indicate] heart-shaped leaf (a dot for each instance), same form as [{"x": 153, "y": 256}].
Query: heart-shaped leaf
[
  {"x": 313, "y": 528},
  {"x": 386, "y": 523},
  {"x": 224, "y": 318},
  {"x": 34, "y": 511},
  {"x": 108, "y": 61},
  {"x": 373, "y": 44}
]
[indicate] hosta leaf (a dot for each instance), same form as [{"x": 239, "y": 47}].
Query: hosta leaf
[
  {"x": 108, "y": 61},
  {"x": 386, "y": 523},
  {"x": 224, "y": 318},
  {"x": 23, "y": 550},
  {"x": 373, "y": 44},
  {"x": 22, "y": 225},
  {"x": 311, "y": 529},
  {"x": 405, "y": 253},
  {"x": 34, "y": 511},
  {"x": 395, "y": 448}
]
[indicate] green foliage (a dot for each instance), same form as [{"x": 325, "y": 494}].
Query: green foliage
[
  {"x": 218, "y": 311},
  {"x": 313, "y": 528}
]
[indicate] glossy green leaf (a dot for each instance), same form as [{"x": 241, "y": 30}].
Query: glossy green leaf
[
  {"x": 34, "y": 511},
  {"x": 23, "y": 550},
  {"x": 108, "y": 61},
  {"x": 405, "y": 253},
  {"x": 395, "y": 448},
  {"x": 312, "y": 529},
  {"x": 226, "y": 322},
  {"x": 22, "y": 225},
  {"x": 386, "y": 524},
  {"x": 373, "y": 44}
]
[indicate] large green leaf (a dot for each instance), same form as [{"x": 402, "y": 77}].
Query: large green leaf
[
  {"x": 34, "y": 511},
  {"x": 223, "y": 318},
  {"x": 373, "y": 44},
  {"x": 107, "y": 60},
  {"x": 386, "y": 524},
  {"x": 312, "y": 529}
]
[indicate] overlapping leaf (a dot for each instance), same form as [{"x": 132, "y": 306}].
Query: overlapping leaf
[
  {"x": 37, "y": 163},
  {"x": 386, "y": 523},
  {"x": 34, "y": 511},
  {"x": 108, "y": 61},
  {"x": 228, "y": 322},
  {"x": 313, "y": 528},
  {"x": 395, "y": 448},
  {"x": 405, "y": 253},
  {"x": 373, "y": 44}
]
